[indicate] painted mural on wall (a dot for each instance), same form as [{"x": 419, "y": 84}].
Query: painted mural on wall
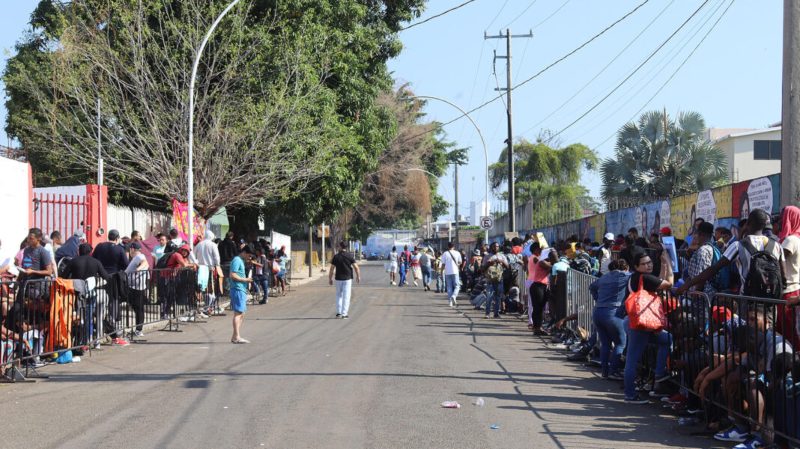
[{"x": 723, "y": 206}]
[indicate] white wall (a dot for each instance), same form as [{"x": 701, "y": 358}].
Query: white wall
[
  {"x": 14, "y": 196},
  {"x": 148, "y": 223},
  {"x": 738, "y": 151}
]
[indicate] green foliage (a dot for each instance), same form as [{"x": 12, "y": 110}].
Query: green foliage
[
  {"x": 650, "y": 163},
  {"x": 547, "y": 177}
]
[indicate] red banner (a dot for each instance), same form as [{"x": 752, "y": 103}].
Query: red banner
[{"x": 180, "y": 221}]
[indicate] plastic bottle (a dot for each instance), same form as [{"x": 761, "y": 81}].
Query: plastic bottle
[{"x": 479, "y": 402}]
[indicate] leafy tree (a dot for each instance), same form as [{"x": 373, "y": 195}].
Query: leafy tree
[
  {"x": 285, "y": 107},
  {"x": 547, "y": 177},
  {"x": 650, "y": 163}
]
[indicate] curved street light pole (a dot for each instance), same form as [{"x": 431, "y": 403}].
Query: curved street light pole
[
  {"x": 485, "y": 152},
  {"x": 190, "y": 169}
]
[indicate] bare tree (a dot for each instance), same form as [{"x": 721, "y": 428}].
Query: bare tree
[{"x": 261, "y": 108}]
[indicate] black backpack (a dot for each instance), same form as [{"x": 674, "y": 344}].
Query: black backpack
[
  {"x": 764, "y": 277},
  {"x": 162, "y": 262},
  {"x": 582, "y": 265}
]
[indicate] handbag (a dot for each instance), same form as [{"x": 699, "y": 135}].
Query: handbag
[{"x": 645, "y": 309}]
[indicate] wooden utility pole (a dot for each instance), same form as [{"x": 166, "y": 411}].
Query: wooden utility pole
[
  {"x": 510, "y": 140},
  {"x": 790, "y": 117}
]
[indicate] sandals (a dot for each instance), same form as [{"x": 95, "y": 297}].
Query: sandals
[{"x": 240, "y": 341}]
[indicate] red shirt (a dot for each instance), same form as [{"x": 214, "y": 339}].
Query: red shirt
[{"x": 176, "y": 260}]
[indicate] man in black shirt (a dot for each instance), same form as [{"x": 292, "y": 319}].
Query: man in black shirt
[
  {"x": 85, "y": 266},
  {"x": 111, "y": 254},
  {"x": 343, "y": 265}
]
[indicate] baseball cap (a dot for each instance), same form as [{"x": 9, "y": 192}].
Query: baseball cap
[
  {"x": 666, "y": 231},
  {"x": 609, "y": 236}
]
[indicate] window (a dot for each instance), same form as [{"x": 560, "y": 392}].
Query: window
[{"x": 767, "y": 149}]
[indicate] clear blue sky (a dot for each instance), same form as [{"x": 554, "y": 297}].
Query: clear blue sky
[{"x": 734, "y": 78}]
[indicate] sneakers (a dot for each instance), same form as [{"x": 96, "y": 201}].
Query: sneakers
[
  {"x": 201, "y": 314},
  {"x": 345, "y": 317},
  {"x": 139, "y": 334},
  {"x": 455, "y": 302},
  {"x": 734, "y": 434},
  {"x": 451, "y": 302},
  {"x": 338, "y": 315},
  {"x": 636, "y": 400},
  {"x": 496, "y": 316},
  {"x": 119, "y": 341},
  {"x": 615, "y": 376},
  {"x": 240, "y": 341},
  {"x": 751, "y": 443},
  {"x": 416, "y": 284},
  {"x": 660, "y": 390}
]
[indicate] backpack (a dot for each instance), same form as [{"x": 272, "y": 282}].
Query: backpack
[
  {"x": 582, "y": 265},
  {"x": 593, "y": 262},
  {"x": 724, "y": 278},
  {"x": 494, "y": 274},
  {"x": 162, "y": 262},
  {"x": 764, "y": 277}
]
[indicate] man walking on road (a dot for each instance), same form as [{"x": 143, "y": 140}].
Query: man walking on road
[
  {"x": 452, "y": 262},
  {"x": 239, "y": 285},
  {"x": 342, "y": 267}
]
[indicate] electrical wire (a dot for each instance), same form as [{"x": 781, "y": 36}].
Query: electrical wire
[
  {"x": 649, "y": 57},
  {"x": 656, "y": 70},
  {"x": 497, "y": 15},
  {"x": 612, "y": 61},
  {"x": 521, "y": 14},
  {"x": 539, "y": 73},
  {"x": 675, "y": 72},
  {"x": 438, "y": 15},
  {"x": 551, "y": 14}
]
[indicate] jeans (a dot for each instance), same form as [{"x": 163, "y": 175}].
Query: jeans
[
  {"x": 494, "y": 294},
  {"x": 426, "y": 275},
  {"x": 136, "y": 299},
  {"x": 637, "y": 343},
  {"x": 439, "y": 282},
  {"x": 609, "y": 330},
  {"x": 538, "y": 295},
  {"x": 452, "y": 285},
  {"x": 263, "y": 284},
  {"x": 403, "y": 271},
  {"x": 343, "y": 289}
]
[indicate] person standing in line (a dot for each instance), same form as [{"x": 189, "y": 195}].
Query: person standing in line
[
  {"x": 452, "y": 264},
  {"x": 206, "y": 253},
  {"x": 158, "y": 251},
  {"x": 790, "y": 242},
  {"x": 239, "y": 284},
  {"x": 138, "y": 278},
  {"x": 393, "y": 266},
  {"x": 493, "y": 266},
  {"x": 425, "y": 265},
  {"x": 343, "y": 266},
  {"x": 416, "y": 271}
]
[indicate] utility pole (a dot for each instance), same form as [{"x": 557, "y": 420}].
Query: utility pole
[
  {"x": 455, "y": 178},
  {"x": 510, "y": 140},
  {"x": 324, "y": 258},
  {"x": 790, "y": 119}
]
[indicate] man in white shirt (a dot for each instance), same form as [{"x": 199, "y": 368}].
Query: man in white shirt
[
  {"x": 605, "y": 252},
  {"x": 452, "y": 267}
]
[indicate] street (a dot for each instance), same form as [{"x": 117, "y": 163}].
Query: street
[{"x": 309, "y": 380}]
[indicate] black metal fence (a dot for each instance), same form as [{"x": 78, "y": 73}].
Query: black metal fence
[{"x": 42, "y": 319}]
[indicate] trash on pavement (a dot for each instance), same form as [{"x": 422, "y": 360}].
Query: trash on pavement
[
  {"x": 451, "y": 404},
  {"x": 479, "y": 402},
  {"x": 494, "y": 426}
]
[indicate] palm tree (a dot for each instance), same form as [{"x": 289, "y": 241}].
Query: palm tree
[{"x": 652, "y": 164}]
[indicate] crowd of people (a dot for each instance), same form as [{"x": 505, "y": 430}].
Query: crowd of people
[
  {"x": 726, "y": 324},
  {"x": 52, "y": 286}
]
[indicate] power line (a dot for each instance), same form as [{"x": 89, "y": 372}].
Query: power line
[
  {"x": 540, "y": 72},
  {"x": 656, "y": 70},
  {"x": 631, "y": 74},
  {"x": 438, "y": 15},
  {"x": 552, "y": 14},
  {"x": 520, "y": 14},
  {"x": 497, "y": 15},
  {"x": 685, "y": 60},
  {"x": 614, "y": 59}
]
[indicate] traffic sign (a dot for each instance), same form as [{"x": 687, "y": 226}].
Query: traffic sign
[{"x": 487, "y": 222}]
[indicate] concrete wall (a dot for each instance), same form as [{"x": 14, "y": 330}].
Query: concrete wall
[
  {"x": 17, "y": 199},
  {"x": 738, "y": 151}
]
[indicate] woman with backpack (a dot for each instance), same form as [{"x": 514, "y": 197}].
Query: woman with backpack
[{"x": 643, "y": 279}]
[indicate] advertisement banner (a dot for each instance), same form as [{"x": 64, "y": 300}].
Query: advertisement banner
[
  {"x": 180, "y": 221},
  {"x": 652, "y": 217},
  {"x": 682, "y": 214},
  {"x": 760, "y": 193}
]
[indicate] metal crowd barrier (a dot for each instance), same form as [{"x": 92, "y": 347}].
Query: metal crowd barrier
[
  {"x": 42, "y": 319},
  {"x": 744, "y": 347}
]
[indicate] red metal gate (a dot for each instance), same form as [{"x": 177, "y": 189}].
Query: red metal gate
[{"x": 68, "y": 213}]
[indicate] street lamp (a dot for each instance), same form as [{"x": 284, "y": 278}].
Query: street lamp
[
  {"x": 485, "y": 152},
  {"x": 190, "y": 169}
]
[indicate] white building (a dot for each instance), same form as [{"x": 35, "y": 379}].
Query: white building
[
  {"x": 477, "y": 209},
  {"x": 751, "y": 153}
]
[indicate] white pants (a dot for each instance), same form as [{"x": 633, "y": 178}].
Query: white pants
[{"x": 343, "y": 289}]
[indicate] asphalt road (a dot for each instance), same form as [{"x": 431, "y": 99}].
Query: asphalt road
[{"x": 309, "y": 380}]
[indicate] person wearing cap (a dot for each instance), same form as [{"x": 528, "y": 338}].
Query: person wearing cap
[
  {"x": 138, "y": 279},
  {"x": 239, "y": 286},
  {"x": 343, "y": 267},
  {"x": 604, "y": 253}
]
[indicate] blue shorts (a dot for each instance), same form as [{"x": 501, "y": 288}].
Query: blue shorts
[{"x": 238, "y": 301}]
